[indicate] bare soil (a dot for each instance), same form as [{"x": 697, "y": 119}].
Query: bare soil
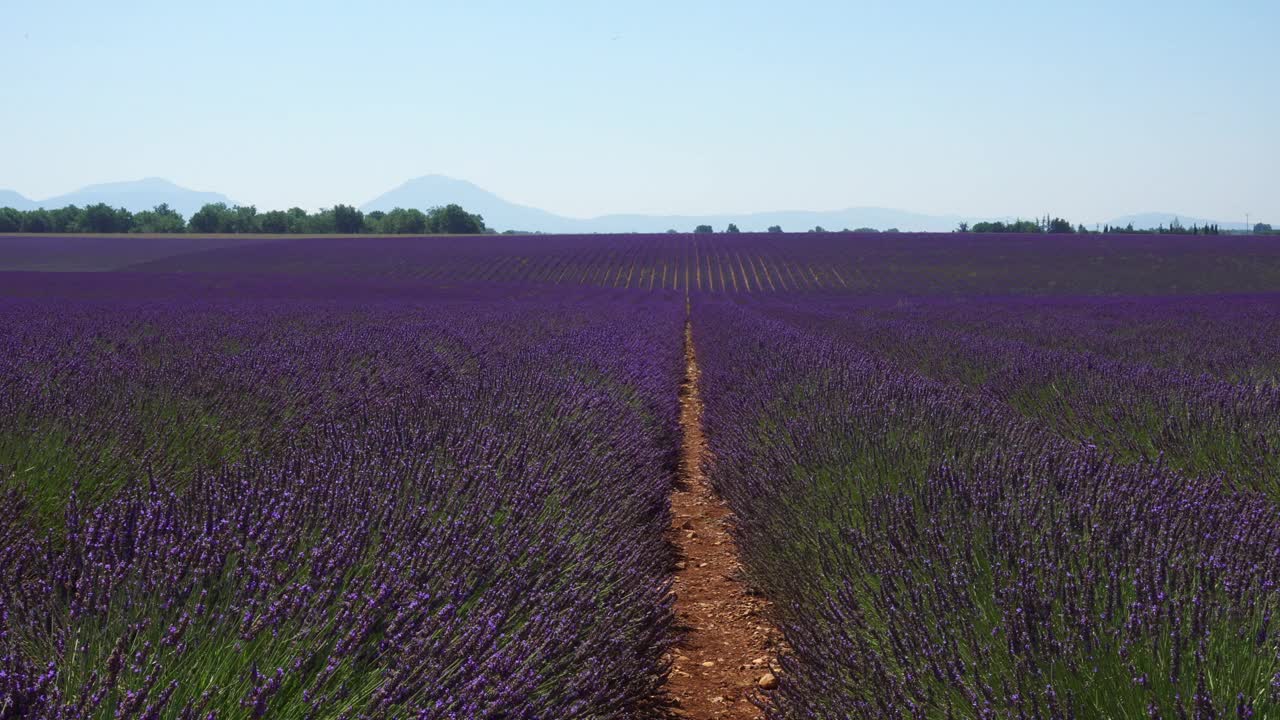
[{"x": 728, "y": 645}]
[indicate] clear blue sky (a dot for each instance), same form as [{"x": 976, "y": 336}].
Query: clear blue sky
[{"x": 1085, "y": 109}]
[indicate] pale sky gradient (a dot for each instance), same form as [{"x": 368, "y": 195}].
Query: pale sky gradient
[{"x": 1086, "y": 109}]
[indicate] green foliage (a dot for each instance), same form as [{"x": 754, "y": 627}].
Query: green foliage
[
  {"x": 245, "y": 220},
  {"x": 219, "y": 218},
  {"x": 211, "y": 218},
  {"x": 1175, "y": 228},
  {"x": 405, "y": 222},
  {"x": 1060, "y": 226},
  {"x": 374, "y": 223},
  {"x": 453, "y": 220},
  {"x": 775, "y": 228},
  {"x": 274, "y": 221},
  {"x": 450, "y": 219},
  {"x": 347, "y": 219},
  {"x": 732, "y": 228},
  {"x": 703, "y": 230},
  {"x": 297, "y": 219},
  {"x": 36, "y": 221},
  {"x": 1017, "y": 226},
  {"x": 10, "y": 220},
  {"x": 161, "y": 219},
  {"x": 321, "y": 223},
  {"x": 69, "y": 219},
  {"x": 102, "y": 218}
]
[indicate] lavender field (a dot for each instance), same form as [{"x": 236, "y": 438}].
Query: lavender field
[{"x": 975, "y": 476}]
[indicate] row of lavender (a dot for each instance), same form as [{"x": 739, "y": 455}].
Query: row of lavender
[
  {"x": 734, "y": 264},
  {"x": 769, "y": 263},
  {"x": 1212, "y": 407},
  {"x": 936, "y": 545},
  {"x": 428, "y": 506},
  {"x": 1231, "y": 337}
]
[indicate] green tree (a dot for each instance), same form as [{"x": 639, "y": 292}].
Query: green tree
[
  {"x": 69, "y": 219},
  {"x": 321, "y": 223},
  {"x": 1261, "y": 228},
  {"x": 274, "y": 221},
  {"x": 401, "y": 221},
  {"x": 703, "y": 230},
  {"x": 1018, "y": 226},
  {"x": 10, "y": 220},
  {"x": 218, "y": 218},
  {"x": 375, "y": 223},
  {"x": 102, "y": 218},
  {"x": 347, "y": 219},
  {"x": 1060, "y": 226},
  {"x": 299, "y": 221},
  {"x": 212, "y": 218},
  {"x": 732, "y": 228},
  {"x": 36, "y": 221},
  {"x": 160, "y": 219},
  {"x": 775, "y": 228},
  {"x": 244, "y": 219},
  {"x": 453, "y": 220}
]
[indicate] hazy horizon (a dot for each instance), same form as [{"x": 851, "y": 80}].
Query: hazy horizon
[{"x": 1088, "y": 112}]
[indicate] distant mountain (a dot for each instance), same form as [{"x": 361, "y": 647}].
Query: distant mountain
[
  {"x": 436, "y": 190},
  {"x": 138, "y": 195},
  {"x": 11, "y": 199},
  {"x": 134, "y": 195}
]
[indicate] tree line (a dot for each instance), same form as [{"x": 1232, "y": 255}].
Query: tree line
[
  {"x": 1047, "y": 224},
  {"x": 450, "y": 219},
  {"x": 1057, "y": 225},
  {"x": 1175, "y": 228},
  {"x": 220, "y": 218},
  {"x": 776, "y": 229}
]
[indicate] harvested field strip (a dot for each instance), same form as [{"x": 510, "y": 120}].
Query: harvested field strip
[{"x": 724, "y": 657}]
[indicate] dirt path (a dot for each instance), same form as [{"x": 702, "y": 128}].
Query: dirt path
[{"x": 725, "y": 657}]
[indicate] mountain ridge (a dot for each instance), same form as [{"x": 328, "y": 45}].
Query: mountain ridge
[
  {"x": 436, "y": 190},
  {"x": 15, "y": 200},
  {"x": 134, "y": 195},
  {"x": 433, "y": 190}
]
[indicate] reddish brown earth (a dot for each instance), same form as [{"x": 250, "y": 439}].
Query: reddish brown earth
[{"x": 728, "y": 646}]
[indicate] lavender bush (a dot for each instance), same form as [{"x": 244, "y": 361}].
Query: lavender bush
[
  {"x": 355, "y": 508},
  {"x": 932, "y": 551},
  {"x": 746, "y": 264},
  {"x": 978, "y": 476},
  {"x": 1200, "y": 423}
]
